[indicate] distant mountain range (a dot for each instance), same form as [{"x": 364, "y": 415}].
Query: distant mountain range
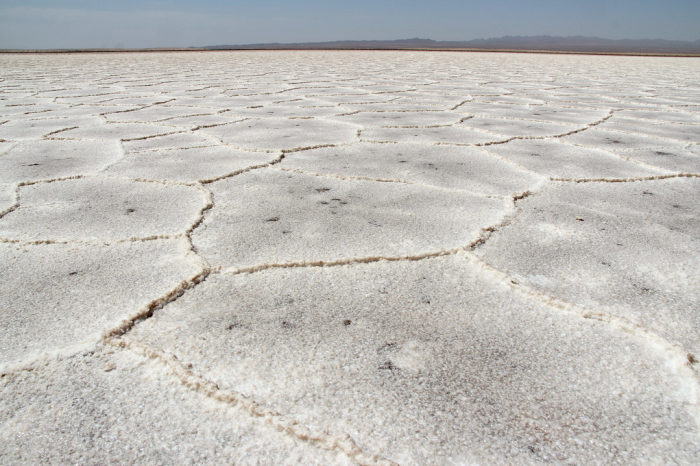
[
  {"x": 550, "y": 44},
  {"x": 534, "y": 43}
]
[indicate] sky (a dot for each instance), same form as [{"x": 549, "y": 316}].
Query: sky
[{"x": 50, "y": 24}]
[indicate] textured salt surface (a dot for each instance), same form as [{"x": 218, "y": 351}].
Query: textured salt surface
[
  {"x": 57, "y": 295},
  {"x": 104, "y": 208},
  {"x": 627, "y": 248},
  {"x": 268, "y": 217},
  {"x": 448, "y": 134},
  {"x": 47, "y": 160},
  {"x": 284, "y": 133},
  {"x": 189, "y": 165},
  {"x": 557, "y": 159},
  {"x": 506, "y": 128},
  {"x": 457, "y": 167},
  {"x": 349, "y": 258},
  {"x": 375, "y": 350},
  {"x": 99, "y": 407}
]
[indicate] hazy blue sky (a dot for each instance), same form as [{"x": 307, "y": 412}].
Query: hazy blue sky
[{"x": 146, "y": 23}]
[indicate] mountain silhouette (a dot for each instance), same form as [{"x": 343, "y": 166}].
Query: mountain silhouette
[{"x": 531, "y": 43}]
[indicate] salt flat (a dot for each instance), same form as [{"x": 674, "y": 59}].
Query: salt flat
[{"x": 346, "y": 257}]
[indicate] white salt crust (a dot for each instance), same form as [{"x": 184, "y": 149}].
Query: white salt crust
[{"x": 370, "y": 258}]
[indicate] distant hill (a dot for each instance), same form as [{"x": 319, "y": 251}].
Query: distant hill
[
  {"x": 579, "y": 44},
  {"x": 570, "y": 44}
]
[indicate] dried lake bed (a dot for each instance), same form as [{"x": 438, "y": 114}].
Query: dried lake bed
[{"x": 349, "y": 257}]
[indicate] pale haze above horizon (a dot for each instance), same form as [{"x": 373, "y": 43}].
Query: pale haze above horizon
[{"x": 53, "y": 24}]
